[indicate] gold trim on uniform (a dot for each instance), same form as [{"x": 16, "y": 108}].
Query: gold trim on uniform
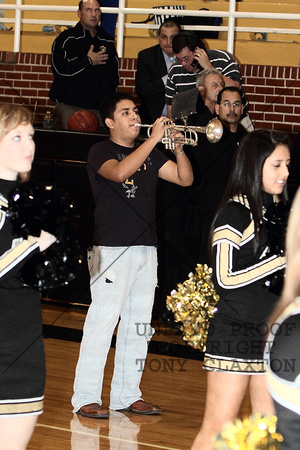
[
  {"x": 14, "y": 255},
  {"x": 227, "y": 278},
  {"x": 22, "y": 406},
  {"x": 228, "y": 235},
  {"x": 287, "y": 392}
]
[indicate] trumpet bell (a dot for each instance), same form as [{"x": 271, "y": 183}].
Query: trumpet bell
[{"x": 214, "y": 130}]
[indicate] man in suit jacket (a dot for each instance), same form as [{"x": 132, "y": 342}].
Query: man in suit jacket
[{"x": 152, "y": 68}]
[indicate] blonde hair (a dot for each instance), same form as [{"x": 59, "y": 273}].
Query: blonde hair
[
  {"x": 291, "y": 288},
  {"x": 12, "y": 116}
]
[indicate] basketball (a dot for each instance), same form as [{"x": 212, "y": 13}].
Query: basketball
[{"x": 83, "y": 120}]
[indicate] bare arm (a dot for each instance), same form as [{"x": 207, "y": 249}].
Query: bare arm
[
  {"x": 180, "y": 173},
  {"x": 119, "y": 171}
]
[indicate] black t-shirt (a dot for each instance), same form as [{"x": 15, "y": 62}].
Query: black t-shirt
[{"x": 124, "y": 212}]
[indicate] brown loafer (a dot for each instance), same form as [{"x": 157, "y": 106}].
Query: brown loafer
[
  {"x": 94, "y": 411},
  {"x": 141, "y": 407}
]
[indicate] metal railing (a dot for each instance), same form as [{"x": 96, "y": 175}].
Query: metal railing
[{"x": 122, "y": 11}]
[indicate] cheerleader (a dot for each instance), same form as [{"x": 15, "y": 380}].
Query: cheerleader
[
  {"x": 22, "y": 363},
  {"x": 243, "y": 266}
]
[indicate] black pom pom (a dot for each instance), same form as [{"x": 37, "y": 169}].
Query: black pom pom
[
  {"x": 275, "y": 282},
  {"x": 54, "y": 267},
  {"x": 275, "y": 220},
  {"x": 34, "y": 207}
]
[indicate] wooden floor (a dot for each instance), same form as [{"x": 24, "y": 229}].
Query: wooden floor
[{"x": 173, "y": 379}]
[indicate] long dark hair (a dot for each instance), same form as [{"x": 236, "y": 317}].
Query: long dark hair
[{"x": 246, "y": 173}]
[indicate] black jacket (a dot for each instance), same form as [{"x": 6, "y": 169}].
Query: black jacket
[
  {"x": 151, "y": 67},
  {"x": 76, "y": 81}
]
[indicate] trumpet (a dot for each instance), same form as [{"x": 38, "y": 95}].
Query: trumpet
[{"x": 213, "y": 131}]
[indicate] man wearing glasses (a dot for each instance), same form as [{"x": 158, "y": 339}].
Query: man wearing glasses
[
  {"x": 214, "y": 161},
  {"x": 192, "y": 58}
]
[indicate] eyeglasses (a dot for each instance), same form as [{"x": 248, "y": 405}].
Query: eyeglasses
[
  {"x": 229, "y": 104},
  {"x": 184, "y": 59}
]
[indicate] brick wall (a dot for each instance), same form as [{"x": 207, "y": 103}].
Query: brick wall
[
  {"x": 274, "y": 96},
  {"x": 273, "y": 92}
]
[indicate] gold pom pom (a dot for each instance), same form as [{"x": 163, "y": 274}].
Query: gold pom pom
[
  {"x": 253, "y": 433},
  {"x": 194, "y": 304}
]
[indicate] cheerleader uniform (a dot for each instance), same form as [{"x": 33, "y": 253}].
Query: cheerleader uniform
[
  {"x": 237, "y": 333},
  {"x": 22, "y": 361},
  {"x": 283, "y": 373}
]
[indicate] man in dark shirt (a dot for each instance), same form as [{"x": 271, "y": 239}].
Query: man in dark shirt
[
  {"x": 209, "y": 83},
  {"x": 188, "y": 214},
  {"x": 184, "y": 212},
  {"x": 214, "y": 161},
  {"x": 85, "y": 66}
]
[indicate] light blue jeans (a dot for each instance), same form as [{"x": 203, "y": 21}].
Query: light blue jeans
[{"x": 123, "y": 281}]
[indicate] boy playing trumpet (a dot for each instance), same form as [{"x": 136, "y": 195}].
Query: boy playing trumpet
[{"x": 123, "y": 262}]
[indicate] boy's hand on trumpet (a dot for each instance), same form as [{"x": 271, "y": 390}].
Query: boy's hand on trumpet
[
  {"x": 160, "y": 126},
  {"x": 178, "y": 138},
  {"x": 165, "y": 130}
]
